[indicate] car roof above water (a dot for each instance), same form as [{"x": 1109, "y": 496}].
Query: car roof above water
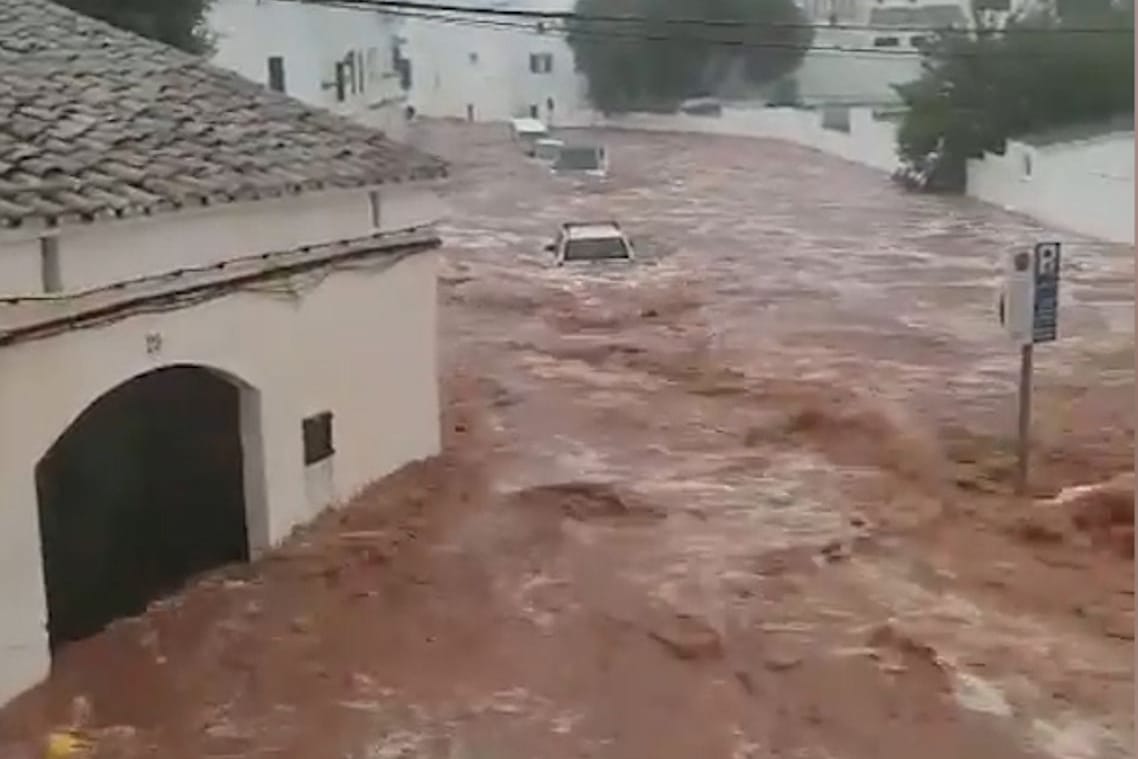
[
  {"x": 596, "y": 230},
  {"x": 529, "y": 127}
]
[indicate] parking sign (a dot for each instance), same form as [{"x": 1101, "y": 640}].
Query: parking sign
[{"x": 1045, "y": 312}]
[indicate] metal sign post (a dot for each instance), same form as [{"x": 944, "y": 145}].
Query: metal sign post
[
  {"x": 1023, "y": 444},
  {"x": 1045, "y": 267}
]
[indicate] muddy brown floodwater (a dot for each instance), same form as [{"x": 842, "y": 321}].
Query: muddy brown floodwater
[{"x": 746, "y": 498}]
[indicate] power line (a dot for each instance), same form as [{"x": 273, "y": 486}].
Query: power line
[
  {"x": 646, "y": 37},
  {"x": 563, "y": 16},
  {"x": 456, "y": 18},
  {"x": 597, "y": 34}
]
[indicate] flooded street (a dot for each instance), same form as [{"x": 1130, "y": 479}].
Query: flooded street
[{"x": 749, "y": 497}]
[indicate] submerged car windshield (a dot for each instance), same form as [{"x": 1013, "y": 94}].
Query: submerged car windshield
[{"x": 595, "y": 249}]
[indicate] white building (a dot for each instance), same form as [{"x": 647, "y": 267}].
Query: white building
[
  {"x": 479, "y": 72},
  {"x": 874, "y": 46},
  {"x": 1079, "y": 178},
  {"x": 342, "y": 59},
  {"x": 217, "y": 318}
]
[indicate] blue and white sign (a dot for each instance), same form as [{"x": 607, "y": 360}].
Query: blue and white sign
[{"x": 1045, "y": 309}]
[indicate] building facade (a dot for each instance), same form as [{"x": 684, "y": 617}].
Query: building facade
[
  {"x": 865, "y": 48},
  {"x": 342, "y": 59},
  {"x": 485, "y": 72},
  {"x": 217, "y": 319}
]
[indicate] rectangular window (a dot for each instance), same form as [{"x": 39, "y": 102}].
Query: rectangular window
[
  {"x": 541, "y": 63},
  {"x": 373, "y": 74},
  {"x": 403, "y": 68},
  {"x": 341, "y": 82},
  {"x": 50, "y": 274},
  {"x": 376, "y": 211},
  {"x": 886, "y": 41},
  {"x": 318, "y": 438},
  {"x": 276, "y": 73}
]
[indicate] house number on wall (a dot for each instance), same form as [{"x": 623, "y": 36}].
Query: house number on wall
[{"x": 153, "y": 343}]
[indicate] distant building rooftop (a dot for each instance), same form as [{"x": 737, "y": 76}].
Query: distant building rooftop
[
  {"x": 96, "y": 122},
  {"x": 921, "y": 16}
]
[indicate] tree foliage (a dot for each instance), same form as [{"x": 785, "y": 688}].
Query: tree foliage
[
  {"x": 180, "y": 23},
  {"x": 980, "y": 88},
  {"x": 654, "y": 62}
]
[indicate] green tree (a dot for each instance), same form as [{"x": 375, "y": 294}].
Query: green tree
[
  {"x": 180, "y": 23},
  {"x": 979, "y": 89},
  {"x": 654, "y": 62}
]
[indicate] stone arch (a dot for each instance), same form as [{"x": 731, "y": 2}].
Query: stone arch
[{"x": 157, "y": 479}]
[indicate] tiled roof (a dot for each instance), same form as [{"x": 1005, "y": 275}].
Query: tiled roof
[{"x": 96, "y": 122}]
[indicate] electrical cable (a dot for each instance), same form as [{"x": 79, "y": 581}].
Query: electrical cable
[
  {"x": 504, "y": 25},
  {"x": 525, "y": 13}
]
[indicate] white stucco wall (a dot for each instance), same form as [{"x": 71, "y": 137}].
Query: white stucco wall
[
  {"x": 361, "y": 345},
  {"x": 869, "y": 142},
  {"x": 489, "y": 68},
  {"x": 311, "y": 38},
  {"x": 1087, "y": 187},
  {"x": 99, "y": 254},
  {"x": 858, "y": 11},
  {"x": 20, "y": 270},
  {"x": 867, "y": 78}
]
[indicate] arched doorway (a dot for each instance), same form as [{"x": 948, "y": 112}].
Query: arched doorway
[{"x": 142, "y": 491}]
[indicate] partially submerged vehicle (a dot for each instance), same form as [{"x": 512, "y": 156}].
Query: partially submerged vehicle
[
  {"x": 587, "y": 159},
  {"x": 704, "y": 106},
  {"x": 590, "y": 241},
  {"x": 526, "y": 133},
  {"x": 929, "y": 173},
  {"x": 548, "y": 149}
]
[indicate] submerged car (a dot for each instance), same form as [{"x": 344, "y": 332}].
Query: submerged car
[
  {"x": 929, "y": 173},
  {"x": 548, "y": 149},
  {"x": 590, "y": 241},
  {"x": 592, "y": 160},
  {"x": 704, "y": 106},
  {"x": 526, "y": 133}
]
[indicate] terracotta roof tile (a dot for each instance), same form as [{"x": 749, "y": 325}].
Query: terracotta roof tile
[{"x": 95, "y": 121}]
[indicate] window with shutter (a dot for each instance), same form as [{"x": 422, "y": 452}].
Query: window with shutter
[
  {"x": 317, "y": 430},
  {"x": 276, "y": 73}
]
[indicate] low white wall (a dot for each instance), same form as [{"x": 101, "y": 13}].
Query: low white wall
[
  {"x": 361, "y": 345},
  {"x": 868, "y": 141},
  {"x": 1086, "y": 187}
]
